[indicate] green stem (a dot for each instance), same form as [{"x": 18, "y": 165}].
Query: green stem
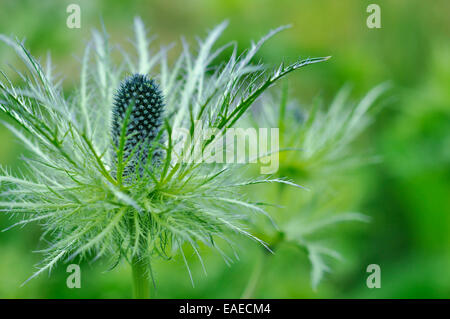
[
  {"x": 141, "y": 283},
  {"x": 255, "y": 277}
]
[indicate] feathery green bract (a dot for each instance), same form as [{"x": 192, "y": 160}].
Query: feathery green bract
[
  {"x": 71, "y": 187},
  {"x": 317, "y": 146}
]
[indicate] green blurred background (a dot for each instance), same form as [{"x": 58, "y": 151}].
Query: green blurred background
[{"x": 407, "y": 194}]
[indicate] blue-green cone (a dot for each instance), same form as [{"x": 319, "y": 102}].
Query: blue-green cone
[{"x": 145, "y": 98}]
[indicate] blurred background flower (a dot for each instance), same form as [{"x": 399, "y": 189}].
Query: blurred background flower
[{"x": 405, "y": 194}]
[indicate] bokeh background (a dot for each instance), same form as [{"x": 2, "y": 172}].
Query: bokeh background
[{"x": 407, "y": 193}]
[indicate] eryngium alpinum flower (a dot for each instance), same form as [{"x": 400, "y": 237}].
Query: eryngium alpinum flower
[
  {"x": 138, "y": 108},
  {"x": 84, "y": 204}
]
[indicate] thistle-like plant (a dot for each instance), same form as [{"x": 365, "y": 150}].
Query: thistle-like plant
[
  {"x": 132, "y": 194},
  {"x": 317, "y": 144}
]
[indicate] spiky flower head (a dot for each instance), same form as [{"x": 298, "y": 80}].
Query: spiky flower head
[{"x": 137, "y": 119}]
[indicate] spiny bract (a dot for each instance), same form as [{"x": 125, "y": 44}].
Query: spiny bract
[{"x": 137, "y": 118}]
